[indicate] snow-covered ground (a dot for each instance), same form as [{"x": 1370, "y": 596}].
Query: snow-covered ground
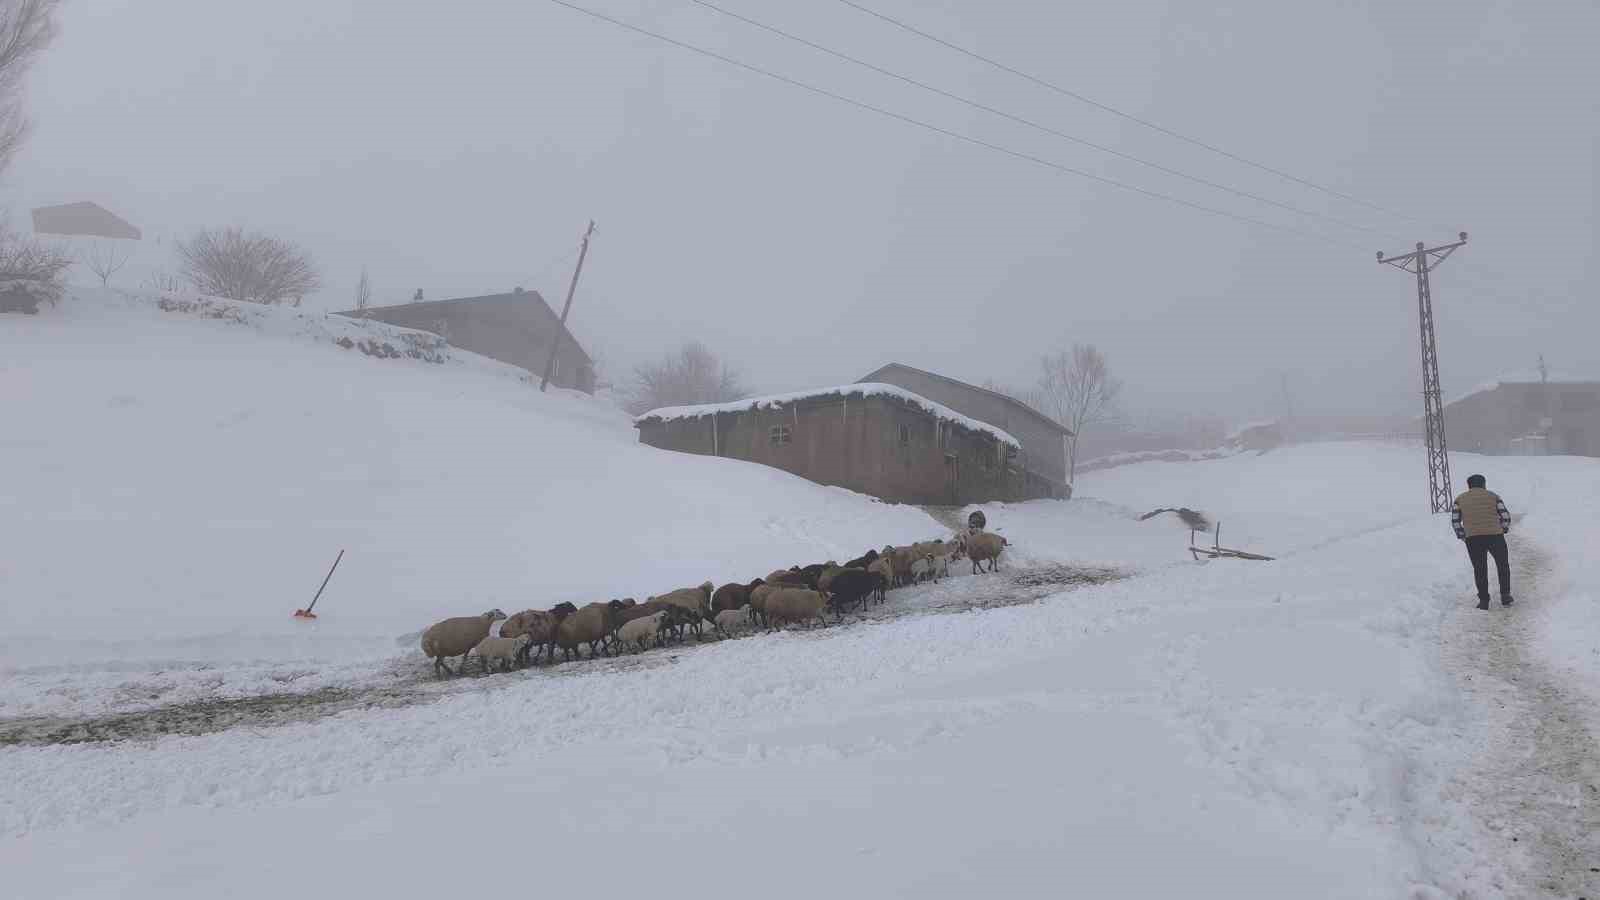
[
  {"x": 179, "y": 483},
  {"x": 1307, "y": 727}
]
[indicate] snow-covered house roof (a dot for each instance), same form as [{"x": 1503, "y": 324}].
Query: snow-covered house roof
[
  {"x": 869, "y": 389},
  {"x": 1530, "y": 377}
]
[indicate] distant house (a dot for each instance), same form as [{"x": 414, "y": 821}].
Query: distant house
[
  {"x": 83, "y": 219},
  {"x": 1527, "y": 414},
  {"x": 1043, "y": 439},
  {"x": 874, "y": 438},
  {"x": 517, "y": 328}
]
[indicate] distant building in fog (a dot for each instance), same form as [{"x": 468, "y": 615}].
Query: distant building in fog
[
  {"x": 1527, "y": 414},
  {"x": 517, "y": 328}
]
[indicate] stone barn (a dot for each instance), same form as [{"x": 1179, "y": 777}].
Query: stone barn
[
  {"x": 1527, "y": 415},
  {"x": 877, "y": 439},
  {"x": 1043, "y": 439},
  {"x": 517, "y": 328}
]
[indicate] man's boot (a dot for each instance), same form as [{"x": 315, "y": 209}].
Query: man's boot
[
  {"x": 1506, "y": 600},
  {"x": 1483, "y": 602}
]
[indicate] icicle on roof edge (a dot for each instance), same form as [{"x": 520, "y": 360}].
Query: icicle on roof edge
[{"x": 868, "y": 389}]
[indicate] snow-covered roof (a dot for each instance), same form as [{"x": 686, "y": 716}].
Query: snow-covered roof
[
  {"x": 1529, "y": 377},
  {"x": 868, "y": 389}
]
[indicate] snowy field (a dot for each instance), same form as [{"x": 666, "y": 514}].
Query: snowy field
[{"x": 1324, "y": 725}]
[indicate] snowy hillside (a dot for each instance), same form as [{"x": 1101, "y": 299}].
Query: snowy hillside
[
  {"x": 178, "y": 483},
  {"x": 1105, "y": 717}
]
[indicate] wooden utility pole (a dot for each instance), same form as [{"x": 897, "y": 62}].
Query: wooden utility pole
[{"x": 555, "y": 345}]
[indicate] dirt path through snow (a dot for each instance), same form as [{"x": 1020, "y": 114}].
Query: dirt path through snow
[
  {"x": 409, "y": 680},
  {"x": 1535, "y": 785}
]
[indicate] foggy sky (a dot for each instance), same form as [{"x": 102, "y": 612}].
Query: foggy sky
[{"x": 461, "y": 150}]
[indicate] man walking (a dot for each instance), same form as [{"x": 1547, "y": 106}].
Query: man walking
[{"x": 1480, "y": 518}]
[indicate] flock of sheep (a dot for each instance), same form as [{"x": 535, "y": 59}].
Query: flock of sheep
[{"x": 800, "y": 594}]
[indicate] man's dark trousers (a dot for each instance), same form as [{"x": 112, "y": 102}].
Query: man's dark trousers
[{"x": 1479, "y": 548}]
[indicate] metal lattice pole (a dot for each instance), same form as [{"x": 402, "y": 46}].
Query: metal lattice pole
[{"x": 1420, "y": 262}]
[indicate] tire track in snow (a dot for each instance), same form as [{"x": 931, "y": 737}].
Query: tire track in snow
[{"x": 1536, "y": 784}]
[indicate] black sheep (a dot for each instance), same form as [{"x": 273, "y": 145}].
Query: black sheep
[
  {"x": 852, "y": 586},
  {"x": 861, "y": 562}
]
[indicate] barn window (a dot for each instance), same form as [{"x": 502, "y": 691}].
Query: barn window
[
  {"x": 905, "y": 435},
  {"x": 779, "y": 435}
]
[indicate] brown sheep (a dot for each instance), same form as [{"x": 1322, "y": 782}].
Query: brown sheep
[
  {"x": 540, "y": 626},
  {"x": 592, "y": 624},
  {"x": 787, "y": 605},
  {"x": 791, "y": 577},
  {"x": 901, "y": 559},
  {"x": 457, "y": 637},
  {"x": 981, "y": 547},
  {"x": 639, "y": 610},
  {"x": 732, "y": 596},
  {"x": 758, "y": 602},
  {"x": 696, "y": 600}
]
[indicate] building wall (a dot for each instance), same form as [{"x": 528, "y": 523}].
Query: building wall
[
  {"x": 513, "y": 328},
  {"x": 1494, "y": 421},
  {"x": 1044, "y": 447},
  {"x": 856, "y": 443}
]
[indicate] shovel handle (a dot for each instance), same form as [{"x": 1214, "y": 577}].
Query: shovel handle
[{"x": 325, "y": 581}]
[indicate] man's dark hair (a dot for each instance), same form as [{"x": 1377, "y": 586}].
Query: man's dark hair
[{"x": 1476, "y": 481}]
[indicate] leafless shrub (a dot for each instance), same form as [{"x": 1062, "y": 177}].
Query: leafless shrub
[
  {"x": 30, "y": 272},
  {"x": 26, "y": 28},
  {"x": 105, "y": 258},
  {"x": 250, "y": 266},
  {"x": 690, "y": 375}
]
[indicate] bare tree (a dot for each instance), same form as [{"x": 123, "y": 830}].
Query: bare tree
[
  {"x": 26, "y": 28},
  {"x": 363, "y": 294},
  {"x": 244, "y": 265},
  {"x": 690, "y": 375},
  {"x": 30, "y": 272},
  {"x": 164, "y": 282},
  {"x": 1077, "y": 390},
  {"x": 105, "y": 258}
]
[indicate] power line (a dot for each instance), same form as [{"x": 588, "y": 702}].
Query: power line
[
  {"x": 978, "y": 142},
  {"x": 1124, "y": 115},
  {"x": 1030, "y": 123}
]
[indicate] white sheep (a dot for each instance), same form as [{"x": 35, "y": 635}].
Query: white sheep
[
  {"x": 730, "y": 620},
  {"x": 637, "y": 631},
  {"x": 921, "y": 569},
  {"x": 501, "y": 649}
]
